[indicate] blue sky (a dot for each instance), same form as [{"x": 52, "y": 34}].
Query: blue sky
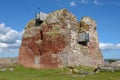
[{"x": 14, "y": 15}]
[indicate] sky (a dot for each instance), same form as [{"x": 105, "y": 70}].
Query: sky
[{"x": 14, "y": 15}]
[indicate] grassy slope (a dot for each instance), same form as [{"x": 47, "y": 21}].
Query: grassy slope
[{"x": 21, "y": 73}]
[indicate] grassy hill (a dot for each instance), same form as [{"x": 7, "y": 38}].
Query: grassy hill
[{"x": 22, "y": 73}]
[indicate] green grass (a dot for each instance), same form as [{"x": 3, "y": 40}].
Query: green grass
[{"x": 22, "y": 73}]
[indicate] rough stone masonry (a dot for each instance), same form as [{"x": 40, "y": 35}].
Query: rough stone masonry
[{"x": 59, "y": 40}]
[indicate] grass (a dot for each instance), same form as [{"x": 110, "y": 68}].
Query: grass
[{"x": 22, "y": 73}]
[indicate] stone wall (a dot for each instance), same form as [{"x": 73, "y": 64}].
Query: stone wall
[{"x": 54, "y": 43}]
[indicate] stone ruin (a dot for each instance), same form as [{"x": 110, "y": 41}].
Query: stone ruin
[{"x": 58, "y": 40}]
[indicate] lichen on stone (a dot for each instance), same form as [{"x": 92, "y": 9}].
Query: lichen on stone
[{"x": 54, "y": 32}]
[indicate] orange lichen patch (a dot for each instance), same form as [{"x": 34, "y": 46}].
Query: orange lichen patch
[{"x": 84, "y": 26}]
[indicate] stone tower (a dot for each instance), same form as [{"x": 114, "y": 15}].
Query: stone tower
[{"x": 58, "y": 40}]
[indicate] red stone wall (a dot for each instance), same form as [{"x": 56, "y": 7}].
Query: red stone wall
[{"x": 29, "y": 49}]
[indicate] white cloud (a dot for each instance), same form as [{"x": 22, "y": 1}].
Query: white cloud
[
  {"x": 84, "y": 1},
  {"x": 10, "y": 39},
  {"x": 3, "y": 29},
  {"x": 3, "y": 45},
  {"x": 98, "y": 3},
  {"x": 73, "y": 3},
  {"x": 8, "y": 35},
  {"x": 109, "y": 46}
]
